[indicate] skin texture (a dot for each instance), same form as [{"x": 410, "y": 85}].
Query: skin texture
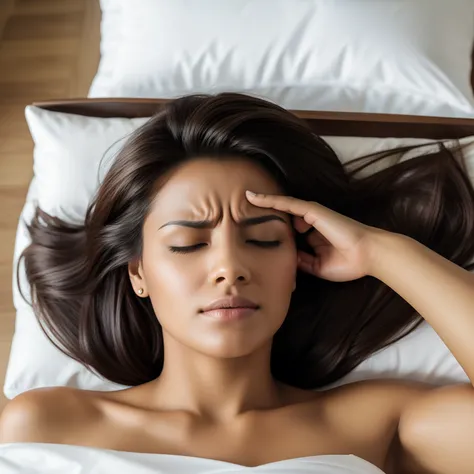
[
  {"x": 216, "y": 397},
  {"x": 232, "y": 358}
]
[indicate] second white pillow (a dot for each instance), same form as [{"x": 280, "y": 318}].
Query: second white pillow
[{"x": 363, "y": 56}]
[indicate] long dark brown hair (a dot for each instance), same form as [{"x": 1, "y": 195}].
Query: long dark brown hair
[{"x": 80, "y": 286}]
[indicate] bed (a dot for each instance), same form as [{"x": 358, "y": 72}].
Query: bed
[{"x": 414, "y": 94}]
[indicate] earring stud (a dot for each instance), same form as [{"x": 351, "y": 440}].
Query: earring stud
[{"x": 140, "y": 291}]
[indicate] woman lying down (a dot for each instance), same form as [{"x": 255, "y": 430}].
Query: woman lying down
[{"x": 229, "y": 267}]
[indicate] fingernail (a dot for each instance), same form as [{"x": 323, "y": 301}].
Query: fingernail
[{"x": 250, "y": 193}]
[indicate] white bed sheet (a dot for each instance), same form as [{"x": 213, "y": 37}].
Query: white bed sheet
[{"x": 38, "y": 458}]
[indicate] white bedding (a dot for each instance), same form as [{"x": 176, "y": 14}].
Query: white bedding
[
  {"x": 354, "y": 56},
  {"x": 38, "y": 458}
]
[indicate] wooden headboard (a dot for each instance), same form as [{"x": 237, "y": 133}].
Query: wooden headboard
[{"x": 323, "y": 123}]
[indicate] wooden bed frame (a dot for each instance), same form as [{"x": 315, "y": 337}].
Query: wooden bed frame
[{"x": 323, "y": 123}]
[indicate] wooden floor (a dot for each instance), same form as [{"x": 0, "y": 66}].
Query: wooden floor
[{"x": 48, "y": 49}]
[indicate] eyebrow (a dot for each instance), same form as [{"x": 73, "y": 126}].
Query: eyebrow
[{"x": 209, "y": 224}]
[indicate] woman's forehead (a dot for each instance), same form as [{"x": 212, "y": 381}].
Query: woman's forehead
[
  {"x": 206, "y": 176},
  {"x": 206, "y": 186}
]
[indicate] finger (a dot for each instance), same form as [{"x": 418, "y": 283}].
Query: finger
[
  {"x": 308, "y": 263},
  {"x": 316, "y": 239},
  {"x": 312, "y": 213},
  {"x": 287, "y": 204},
  {"x": 301, "y": 225},
  {"x": 332, "y": 225}
]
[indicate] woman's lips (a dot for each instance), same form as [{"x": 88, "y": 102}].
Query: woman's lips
[{"x": 229, "y": 314}]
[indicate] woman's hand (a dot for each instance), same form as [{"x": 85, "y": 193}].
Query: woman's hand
[{"x": 342, "y": 246}]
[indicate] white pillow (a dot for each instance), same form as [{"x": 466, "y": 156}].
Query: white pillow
[
  {"x": 68, "y": 150},
  {"x": 389, "y": 56}
]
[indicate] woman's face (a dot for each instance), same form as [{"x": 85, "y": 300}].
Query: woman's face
[{"x": 184, "y": 268}]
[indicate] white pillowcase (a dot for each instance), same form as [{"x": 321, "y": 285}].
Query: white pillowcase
[
  {"x": 389, "y": 56},
  {"x": 68, "y": 151}
]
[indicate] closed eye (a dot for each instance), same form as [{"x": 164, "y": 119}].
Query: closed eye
[
  {"x": 188, "y": 249},
  {"x": 265, "y": 243},
  {"x": 193, "y": 248}
]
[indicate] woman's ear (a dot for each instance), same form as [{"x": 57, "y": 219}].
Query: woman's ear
[{"x": 137, "y": 278}]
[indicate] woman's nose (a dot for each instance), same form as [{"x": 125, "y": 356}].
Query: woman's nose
[{"x": 230, "y": 268}]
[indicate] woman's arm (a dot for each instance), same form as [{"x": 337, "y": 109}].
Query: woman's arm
[
  {"x": 436, "y": 430},
  {"x": 440, "y": 291},
  {"x": 436, "y": 427}
]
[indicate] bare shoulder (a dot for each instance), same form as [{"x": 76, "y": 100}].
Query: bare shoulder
[
  {"x": 380, "y": 396},
  {"x": 368, "y": 413},
  {"x": 45, "y": 415}
]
